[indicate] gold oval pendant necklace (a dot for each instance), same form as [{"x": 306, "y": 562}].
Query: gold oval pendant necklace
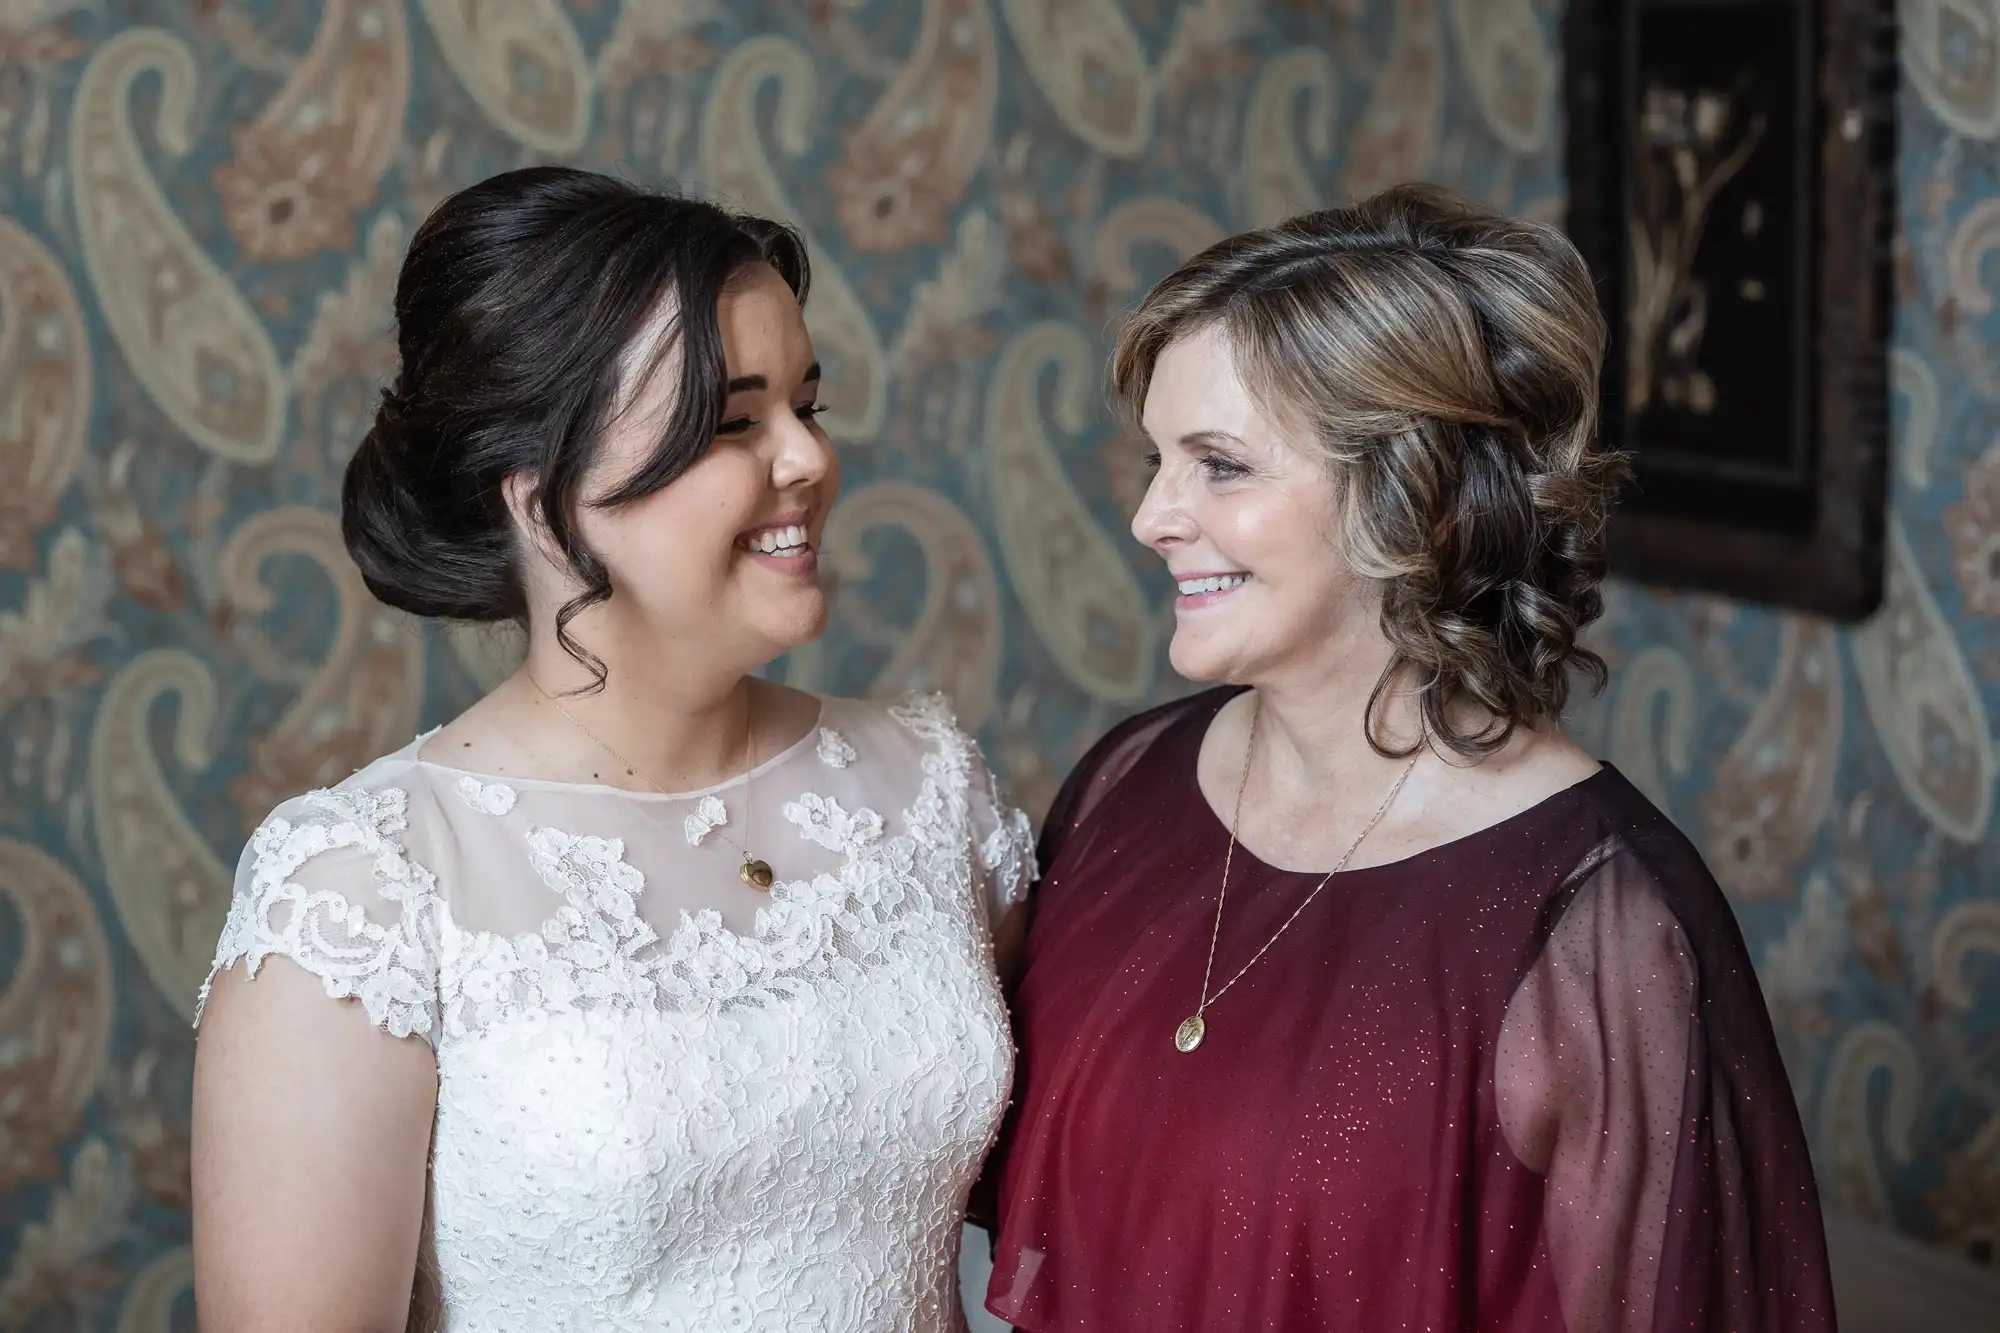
[
  {"x": 755, "y": 871},
  {"x": 1195, "y": 1026}
]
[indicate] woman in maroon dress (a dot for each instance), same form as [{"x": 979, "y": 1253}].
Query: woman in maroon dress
[{"x": 1358, "y": 997}]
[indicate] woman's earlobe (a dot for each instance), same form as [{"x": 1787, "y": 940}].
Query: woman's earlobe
[
  {"x": 523, "y": 500},
  {"x": 519, "y": 494}
]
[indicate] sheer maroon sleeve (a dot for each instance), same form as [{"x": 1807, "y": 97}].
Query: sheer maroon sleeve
[
  {"x": 1117, "y": 754},
  {"x": 1636, "y": 1072}
]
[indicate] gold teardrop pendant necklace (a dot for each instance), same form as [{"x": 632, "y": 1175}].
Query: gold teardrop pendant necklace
[
  {"x": 1195, "y": 1026},
  {"x": 755, "y": 871}
]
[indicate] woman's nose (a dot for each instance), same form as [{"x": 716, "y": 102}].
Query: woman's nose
[
  {"x": 1161, "y": 520},
  {"x": 805, "y": 455}
]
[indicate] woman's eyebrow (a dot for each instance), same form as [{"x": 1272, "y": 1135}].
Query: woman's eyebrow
[{"x": 755, "y": 383}]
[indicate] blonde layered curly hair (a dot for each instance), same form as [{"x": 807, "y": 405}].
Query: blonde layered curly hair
[{"x": 1444, "y": 360}]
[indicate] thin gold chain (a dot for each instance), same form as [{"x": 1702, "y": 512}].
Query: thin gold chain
[
  {"x": 749, "y": 756},
  {"x": 1235, "y": 822}
]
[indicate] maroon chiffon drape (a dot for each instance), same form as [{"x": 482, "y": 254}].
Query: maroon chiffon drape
[{"x": 1523, "y": 1081}]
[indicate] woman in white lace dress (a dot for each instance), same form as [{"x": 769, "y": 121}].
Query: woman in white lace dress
[{"x": 645, "y": 995}]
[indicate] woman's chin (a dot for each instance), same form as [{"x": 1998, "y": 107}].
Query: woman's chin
[
  {"x": 1192, "y": 659},
  {"x": 800, "y": 621},
  {"x": 765, "y": 632}
]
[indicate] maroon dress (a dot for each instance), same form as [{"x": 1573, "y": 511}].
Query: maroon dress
[{"x": 1522, "y": 1081}]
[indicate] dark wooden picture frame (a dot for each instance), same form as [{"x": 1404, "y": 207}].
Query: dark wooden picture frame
[{"x": 1732, "y": 185}]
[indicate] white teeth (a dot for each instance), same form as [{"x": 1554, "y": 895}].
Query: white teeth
[
  {"x": 1213, "y": 583},
  {"x": 773, "y": 540}
]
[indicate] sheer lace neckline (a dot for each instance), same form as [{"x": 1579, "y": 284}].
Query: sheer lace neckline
[{"x": 415, "y": 754}]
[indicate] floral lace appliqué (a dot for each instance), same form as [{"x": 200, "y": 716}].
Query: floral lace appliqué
[
  {"x": 488, "y": 798},
  {"x": 590, "y": 873},
  {"x": 834, "y": 751},
  {"x": 1008, "y": 855},
  {"x": 709, "y": 816},
  {"x": 821, "y": 819},
  {"x": 385, "y": 964}
]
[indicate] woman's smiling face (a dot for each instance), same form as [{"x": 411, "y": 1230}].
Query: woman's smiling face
[
  {"x": 725, "y": 557},
  {"x": 1244, "y": 519}
]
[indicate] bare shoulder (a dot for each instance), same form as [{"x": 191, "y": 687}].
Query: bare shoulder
[{"x": 481, "y": 738}]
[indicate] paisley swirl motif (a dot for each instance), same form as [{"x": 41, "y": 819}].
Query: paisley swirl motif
[
  {"x": 1951, "y": 51},
  {"x": 1208, "y": 37},
  {"x": 184, "y": 328},
  {"x": 351, "y": 343},
  {"x": 1976, "y": 236},
  {"x": 141, "y": 557},
  {"x": 912, "y": 158},
  {"x": 734, "y": 166},
  {"x": 1277, "y": 179},
  {"x": 523, "y": 63},
  {"x": 944, "y": 321},
  {"x": 953, "y": 644},
  {"x": 650, "y": 39},
  {"x": 45, "y": 641},
  {"x": 55, "y": 1013},
  {"x": 361, "y": 703},
  {"x": 1087, "y": 59},
  {"x": 44, "y": 389},
  {"x": 171, "y": 890},
  {"x": 1644, "y": 752},
  {"x": 1398, "y": 133},
  {"x": 1965, "y": 255},
  {"x": 1774, "y": 786},
  {"x": 1511, "y": 66},
  {"x": 152, "y": 1296},
  {"x": 1969, "y": 928},
  {"x": 1852, "y": 1176},
  {"x": 1182, "y": 228},
  {"x": 303, "y": 170},
  {"x": 1924, "y": 703},
  {"x": 65, "y": 1251},
  {"x": 1081, "y": 598},
  {"x": 1910, "y": 376}
]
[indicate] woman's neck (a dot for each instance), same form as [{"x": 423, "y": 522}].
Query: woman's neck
[
  {"x": 676, "y": 728},
  {"x": 1314, "y": 722}
]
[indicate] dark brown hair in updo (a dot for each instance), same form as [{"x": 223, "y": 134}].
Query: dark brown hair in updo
[{"x": 1445, "y": 360}]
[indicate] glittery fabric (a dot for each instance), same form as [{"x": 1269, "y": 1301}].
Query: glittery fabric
[{"x": 1523, "y": 1081}]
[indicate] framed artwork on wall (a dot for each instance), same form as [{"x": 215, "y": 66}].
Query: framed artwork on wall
[{"x": 1732, "y": 185}]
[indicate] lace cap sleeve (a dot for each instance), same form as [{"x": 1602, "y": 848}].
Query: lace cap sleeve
[
  {"x": 1004, "y": 837},
  {"x": 325, "y": 882}
]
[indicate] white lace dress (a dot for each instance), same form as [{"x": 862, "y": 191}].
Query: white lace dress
[{"x": 667, "y": 1101}]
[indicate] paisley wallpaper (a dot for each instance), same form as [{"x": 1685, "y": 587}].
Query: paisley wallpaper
[{"x": 205, "y": 204}]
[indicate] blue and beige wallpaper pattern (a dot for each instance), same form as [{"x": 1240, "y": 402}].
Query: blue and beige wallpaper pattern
[{"x": 205, "y": 205}]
